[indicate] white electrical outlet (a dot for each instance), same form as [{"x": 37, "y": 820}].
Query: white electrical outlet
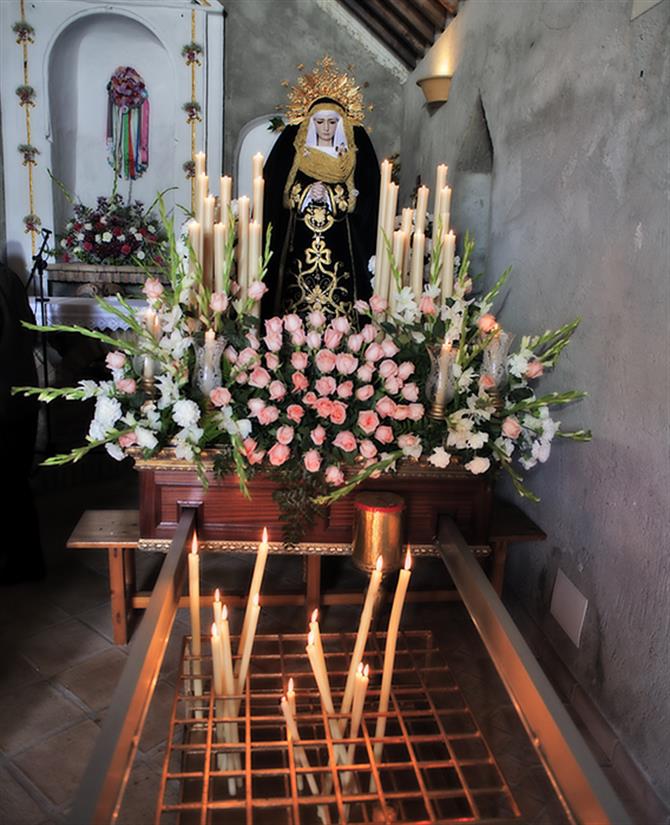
[{"x": 568, "y": 607}]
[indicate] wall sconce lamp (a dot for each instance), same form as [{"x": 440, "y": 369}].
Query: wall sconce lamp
[{"x": 435, "y": 88}]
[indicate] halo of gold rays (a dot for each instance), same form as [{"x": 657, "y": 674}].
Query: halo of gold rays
[{"x": 325, "y": 80}]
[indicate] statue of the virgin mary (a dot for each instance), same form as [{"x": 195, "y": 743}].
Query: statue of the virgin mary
[{"x": 322, "y": 192}]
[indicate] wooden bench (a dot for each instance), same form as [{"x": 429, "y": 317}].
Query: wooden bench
[{"x": 117, "y": 531}]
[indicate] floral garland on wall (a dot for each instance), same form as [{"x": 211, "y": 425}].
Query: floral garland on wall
[
  {"x": 192, "y": 52},
  {"x": 25, "y": 36}
]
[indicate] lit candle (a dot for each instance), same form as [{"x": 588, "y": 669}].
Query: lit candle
[
  {"x": 194, "y": 239},
  {"x": 216, "y": 607},
  {"x": 386, "y": 172},
  {"x": 257, "y": 166},
  {"x": 316, "y": 631},
  {"x": 416, "y": 273},
  {"x": 194, "y": 606},
  {"x": 362, "y": 635},
  {"x": 254, "y": 588},
  {"x": 293, "y": 735},
  {"x": 232, "y": 733},
  {"x": 318, "y": 665},
  {"x": 255, "y": 232},
  {"x": 258, "y": 192},
  {"x": 207, "y": 240},
  {"x": 406, "y": 227},
  {"x": 448, "y": 250},
  {"x": 389, "y": 220},
  {"x": 360, "y": 691},
  {"x": 217, "y": 661},
  {"x": 219, "y": 255},
  {"x": 444, "y": 204},
  {"x": 242, "y": 244},
  {"x": 421, "y": 208},
  {"x": 200, "y": 159},
  {"x": 225, "y": 196},
  {"x": 389, "y": 651},
  {"x": 440, "y": 183},
  {"x": 290, "y": 695},
  {"x": 248, "y": 644},
  {"x": 201, "y": 190},
  {"x": 398, "y": 249}
]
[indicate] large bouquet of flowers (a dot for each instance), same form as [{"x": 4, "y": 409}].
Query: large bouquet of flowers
[
  {"x": 321, "y": 405},
  {"x": 114, "y": 233}
]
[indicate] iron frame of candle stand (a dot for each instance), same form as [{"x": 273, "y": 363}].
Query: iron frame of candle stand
[{"x": 416, "y": 704}]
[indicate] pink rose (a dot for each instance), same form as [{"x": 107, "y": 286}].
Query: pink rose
[
  {"x": 285, "y": 434},
  {"x": 230, "y": 354},
  {"x": 487, "y": 382},
  {"x": 427, "y": 305},
  {"x": 292, "y": 323},
  {"x": 345, "y": 389},
  {"x": 299, "y": 381},
  {"x": 365, "y": 392},
  {"x": 316, "y": 319},
  {"x": 254, "y": 456},
  {"x": 277, "y": 390},
  {"x": 313, "y": 339},
  {"x": 241, "y": 378},
  {"x": 268, "y": 415},
  {"x": 115, "y": 360},
  {"x": 271, "y": 361},
  {"x": 355, "y": 342},
  {"x": 153, "y": 289},
  {"x": 298, "y": 338},
  {"x": 220, "y": 396},
  {"x": 247, "y": 357},
  {"x": 127, "y": 440},
  {"x": 374, "y": 352},
  {"x": 252, "y": 338},
  {"x": 339, "y": 412},
  {"x": 416, "y": 412},
  {"x": 385, "y": 406},
  {"x": 273, "y": 342},
  {"x": 256, "y": 290},
  {"x": 318, "y": 435},
  {"x": 406, "y": 369},
  {"x": 346, "y": 363},
  {"x": 362, "y": 307},
  {"x": 367, "y": 448},
  {"x": 401, "y": 412},
  {"x": 378, "y": 304},
  {"x": 511, "y": 427},
  {"x": 325, "y": 360},
  {"x": 332, "y": 338},
  {"x": 312, "y": 461},
  {"x": 309, "y": 399},
  {"x": 387, "y": 368},
  {"x": 369, "y": 333},
  {"x": 274, "y": 326},
  {"x": 368, "y": 421},
  {"x": 341, "y": 325},
  {"x": 255, "y": 406},
  {"x": 218, "y": 302},
  {"x": 487, "y": 323},
  {"x": 278, "y": 455},
  {"x": 346, "y": 441},
  {"x": 299, "y": 360},
  {"x": 295, "y": 412},
  {"x": 384, "y": 434},
  {"x": 410, "y": 444},
  {"x": 325, "y": 385},
  {"x": 389, "y": 347},
  {"x": 259, "y": 377},
  {"x": 323, "y": 407},
  {"x": 410, "y": 392},
  {"x": 126, "y": 385},
  {"x": 334, "y": 475},
  {"x": 365, "y": 372},
  {"x": 535, "y": 369}
]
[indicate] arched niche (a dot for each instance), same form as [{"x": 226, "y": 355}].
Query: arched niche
[
  {"x": 254, "y": 137},
  {"x": 81, "y": 61}
]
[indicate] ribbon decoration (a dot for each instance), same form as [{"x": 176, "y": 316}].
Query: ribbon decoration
[{"x": 127, "y": 123}]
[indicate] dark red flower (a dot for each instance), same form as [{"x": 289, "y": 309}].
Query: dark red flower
[
  {"x": 116, "y": 230},
  {"x": 125, "y": 249},
  {"x": 87, "y": 245},
  {"x": 66, "y": 258}
]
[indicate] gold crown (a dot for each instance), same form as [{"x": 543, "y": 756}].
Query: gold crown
[{"x": 325, "y": 81}]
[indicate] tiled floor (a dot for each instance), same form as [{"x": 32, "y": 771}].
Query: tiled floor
[{"x": 59, "y": 669}]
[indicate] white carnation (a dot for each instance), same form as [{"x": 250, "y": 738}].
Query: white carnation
[
  {"x": 439, "y": 458},
  {"x": 478, "y": 465},
  {"x": 107, "y": 411},
  {"x": 145, "y": 438},
  {"x": 107, "y": 237},
  {"x": 186, "y": 413}
]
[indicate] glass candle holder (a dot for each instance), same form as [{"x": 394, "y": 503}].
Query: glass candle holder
[
  {"x": 207, "y": 373},
  {"x": 440, "y": 386},
  {"x": 494, "y": 361}
]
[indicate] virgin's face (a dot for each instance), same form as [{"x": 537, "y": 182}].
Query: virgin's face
[{"x": 325, "y": 124}]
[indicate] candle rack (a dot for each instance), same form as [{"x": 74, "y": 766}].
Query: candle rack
[{"x": 435, "y": 765}]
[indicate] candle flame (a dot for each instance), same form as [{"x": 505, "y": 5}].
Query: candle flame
[
  {"x": 360, "y": 668},
  {"x": 310, "y": 638},
  {"x": 290, "y": 685},
  {"x": 408, "y": 560},
  {"x": 217, "y": 595},
  {"x": 366, "y": 671},
  {"x": 315, "y": 615},
  {"x": 194, "y": 545},
  {"x": 215, "y": 629},
  {"x": 379, "y": 564},
  {"x": 224, "y": 613}
]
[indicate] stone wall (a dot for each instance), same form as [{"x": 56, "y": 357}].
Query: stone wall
[
  {"x": 264, "y": 43},
  {"x": 575, "y": 100}
]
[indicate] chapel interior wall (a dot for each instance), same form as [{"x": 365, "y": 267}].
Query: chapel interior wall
[{"x": 576, "y": 101}]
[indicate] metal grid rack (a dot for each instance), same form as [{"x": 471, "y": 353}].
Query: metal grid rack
[{"x": 435, "y": 766}]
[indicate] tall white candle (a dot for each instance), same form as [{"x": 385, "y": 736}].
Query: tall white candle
[
  {"x": 316, "y": 631},
  {"x": 245, "y": 655},
  {"x": 242, "y": 244},
  {"x": 421, "y": 209},
  {"x": 448, "y": 250},
  {"x": 290, "y": 696},
  {"x": 440, "y": 182},
  {"x": 360, "y": 691},
  {"x": 217, "y": 661},
  {"x": 398, "y": 249},
  {"x": 362, "y": 634},
  {"x": 194, "y": 607},
  {"x": 208, "y": 240},
  {"x": 444, "y": 203},
  {"x": 255, "y": 232},
  {"x": 201, "y": 191},
  {"x": 318, "y": 665},
  {"x": 301, "y": 757},
  {"x": 416, "y": 272},
  {"x": 258, "y": 192},
  {"x": 216, "y": 607},
  {"x": 225, "y": 196},
  {"x": 389, "y": 650},
  {"x": 257, "y": 166},
  {"x": 386, "y": 172},
  {"x": 194, "y": 236},
  {"x": 406, "y": 227},
  {"x": 389, "y": 220},
  {"x": 219, "y": 255},
  {"x": 200, "y": 159}
]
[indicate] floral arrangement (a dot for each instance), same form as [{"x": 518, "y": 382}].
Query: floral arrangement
[
  {"x": 24, "y": 32},
  {"x": 126, "y": 88},
  {"x": 192, "y": 52},
  {"x": 114, "y": 232},
  {"x": 32, "y": 223},
  {"x": 319, "y": 404},
  {"x": 26, "y": 95},
  {"x": 29, "y": 153},
  {"x": 193, "y": 110}
]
